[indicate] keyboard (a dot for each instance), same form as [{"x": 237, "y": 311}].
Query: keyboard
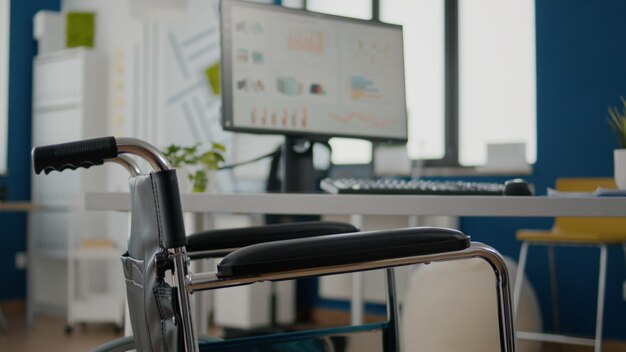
[{"x": 409, "y": 187}]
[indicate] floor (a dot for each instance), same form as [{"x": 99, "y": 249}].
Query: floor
[{"x": 48, "y": 334}]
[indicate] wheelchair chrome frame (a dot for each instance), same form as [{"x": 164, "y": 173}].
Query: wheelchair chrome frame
[
  {"x": 159, "y": 162},
  {"x": 189, "y": 283},
  {"x": 129, "y": 164},
  {"x": 207, "y": 281}
]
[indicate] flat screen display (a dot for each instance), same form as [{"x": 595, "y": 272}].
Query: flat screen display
[{"x": 295, "y": 72}]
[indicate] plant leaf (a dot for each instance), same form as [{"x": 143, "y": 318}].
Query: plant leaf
[
  {"x": 200, "y": 181},
  {"x": 617, "y": 122},
  {"x": 219, "y": 147}
]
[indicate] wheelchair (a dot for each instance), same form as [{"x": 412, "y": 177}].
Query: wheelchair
[{"x": 159, "y": 281}]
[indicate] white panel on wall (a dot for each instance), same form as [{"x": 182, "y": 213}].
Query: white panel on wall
[
  {"x": 158, "y": 9},
  {"x": 158, "y": 86},
  {"x": 190, "y": 46},
  {"x": 188, "y": 110}
]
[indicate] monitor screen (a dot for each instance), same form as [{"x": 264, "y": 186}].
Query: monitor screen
[{"x": 300, "y": 73}]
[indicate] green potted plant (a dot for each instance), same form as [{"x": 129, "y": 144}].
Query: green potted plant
[
  {"x": 197, "y": 164},
  {"x": 617, "y": 121}
]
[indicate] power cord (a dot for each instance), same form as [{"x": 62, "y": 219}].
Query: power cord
[{"x": 270, "y": 154}]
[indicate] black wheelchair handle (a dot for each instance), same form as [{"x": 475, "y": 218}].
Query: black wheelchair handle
[{"x": 73, "y": 155}]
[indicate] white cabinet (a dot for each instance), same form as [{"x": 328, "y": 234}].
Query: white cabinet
[{"x": 69, "y": 103}]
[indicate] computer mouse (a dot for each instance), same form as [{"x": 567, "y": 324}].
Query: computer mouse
[{"x": 517, "y": 187}]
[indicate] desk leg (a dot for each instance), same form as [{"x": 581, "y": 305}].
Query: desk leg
[
  {"x": 30, "y": 275},
  {"x": 358, "y": 283}
]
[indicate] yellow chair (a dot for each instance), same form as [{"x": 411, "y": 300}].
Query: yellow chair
[{"x": 568, "y": 231}]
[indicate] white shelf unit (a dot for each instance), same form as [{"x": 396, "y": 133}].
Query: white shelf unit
[{"x": 69, "y": 103}]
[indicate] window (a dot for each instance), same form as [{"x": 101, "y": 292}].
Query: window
[
  {"x": 470, "y": 75},
  {"x": 422, "y": 22},
  {"x": 349, "y": 8},
  {"x": 497, "y": 80},
  {"x": 4, "y": 81}
]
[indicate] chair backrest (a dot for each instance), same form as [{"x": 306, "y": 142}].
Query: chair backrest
[{"x": 609, "y": 227}]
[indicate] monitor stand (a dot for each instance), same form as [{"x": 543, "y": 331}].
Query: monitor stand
[
  {"x": 298, "y": 170},
  {"x": 298, "y": 177}
]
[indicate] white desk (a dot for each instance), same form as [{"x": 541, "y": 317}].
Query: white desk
[
  {"x": 23, "y": 206},
  {"x": 359, "y": 205},
  {"x": 325, "y": 204}
]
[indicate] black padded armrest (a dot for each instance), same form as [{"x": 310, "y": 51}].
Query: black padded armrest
[
  {"x": 228, "y": 239},
  {"x": 332, "y": 250}
]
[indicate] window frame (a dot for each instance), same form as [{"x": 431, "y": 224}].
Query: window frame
[
  {"x": 5, "y": 29},
  {"x": 451, "y": 88}
]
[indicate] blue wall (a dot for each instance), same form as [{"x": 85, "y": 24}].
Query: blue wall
[{"x": 22, "y": 50}]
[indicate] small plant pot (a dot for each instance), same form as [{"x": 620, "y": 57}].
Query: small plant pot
[{"x": 619, "y": 163}]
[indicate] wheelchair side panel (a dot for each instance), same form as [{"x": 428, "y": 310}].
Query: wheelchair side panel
[{"x": 152, "y": 301}]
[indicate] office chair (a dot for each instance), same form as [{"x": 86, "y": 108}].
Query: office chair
[
  {"x": 160, "y": 313},
  {"x": 571, "y": 231}
]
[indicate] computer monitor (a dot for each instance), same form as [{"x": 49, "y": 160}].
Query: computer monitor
[{"x": 310, "y": 76}]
